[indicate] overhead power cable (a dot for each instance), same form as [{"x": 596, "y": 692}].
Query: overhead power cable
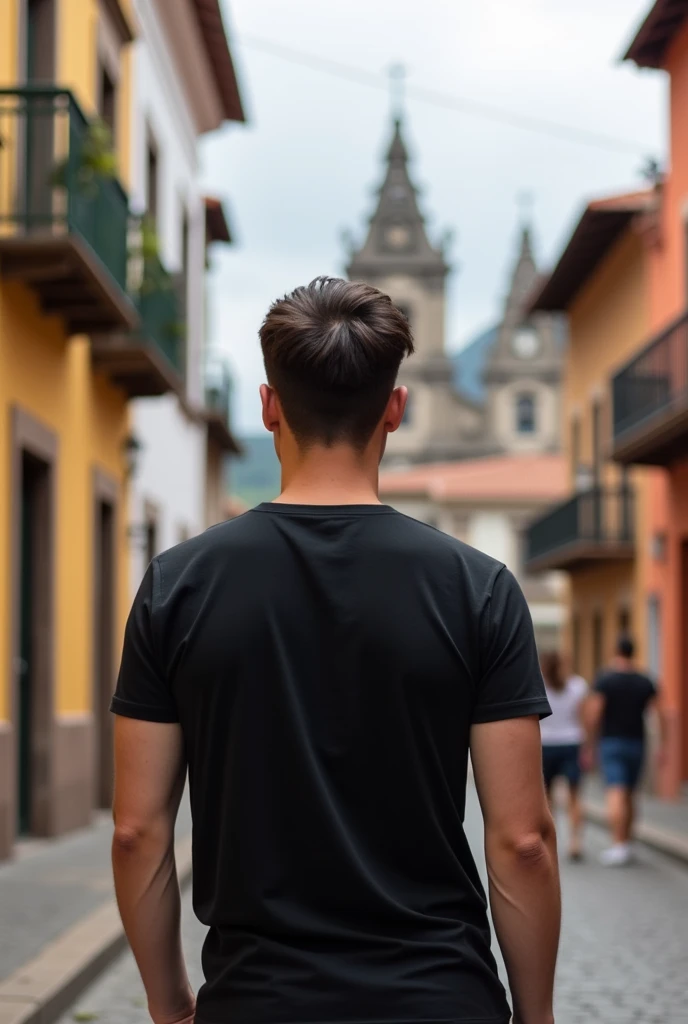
[{"x": 461, "y": 104}]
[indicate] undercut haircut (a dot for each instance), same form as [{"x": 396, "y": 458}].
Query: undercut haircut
[{"x": 332, "y": 352}]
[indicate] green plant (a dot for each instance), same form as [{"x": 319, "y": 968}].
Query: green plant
[
  {"x": 96, "y": 160},
  {"x": 154, "y": 277}
]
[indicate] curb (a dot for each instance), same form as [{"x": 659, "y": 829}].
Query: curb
[
  {"x": 670, "y": 843},
  {"x": 45, "y": 987}
]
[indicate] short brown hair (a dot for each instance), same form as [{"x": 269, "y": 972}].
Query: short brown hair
[{"x": 332, "y": 352}]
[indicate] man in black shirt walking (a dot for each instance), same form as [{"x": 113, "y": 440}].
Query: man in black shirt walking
[
  {"x": 322, "y": 666},
  {"x": 621, "y": 699}
]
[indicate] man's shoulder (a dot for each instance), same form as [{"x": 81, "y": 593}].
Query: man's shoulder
[
  {"x": 201, "y": 550},
  {"x": 427, "y": 539}
]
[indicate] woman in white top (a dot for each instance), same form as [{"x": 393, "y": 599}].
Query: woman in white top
[{"x": 562, "y": 739}]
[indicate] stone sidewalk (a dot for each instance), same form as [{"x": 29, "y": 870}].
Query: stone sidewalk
[
  {"x": 59, "y": 924},
  {"x": 662, "y": 824}
]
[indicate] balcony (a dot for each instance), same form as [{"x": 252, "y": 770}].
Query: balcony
[
  {"x": 650, "y": 424},
  {"x": 594, "y": 526},
  {"x": 218, "y": 392},
  {"x": 149, "y": 360},
  {"x": 63, "y": 214}
]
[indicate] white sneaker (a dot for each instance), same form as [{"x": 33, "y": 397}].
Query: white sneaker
[{"x": 617, "y": 856}]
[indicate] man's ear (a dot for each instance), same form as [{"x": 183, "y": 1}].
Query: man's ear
[
  {"x": 396, "y": 406},
  {"x": 270, "y": 408}
]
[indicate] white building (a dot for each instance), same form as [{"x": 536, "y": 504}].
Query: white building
[{"x": 184, "y": 86}]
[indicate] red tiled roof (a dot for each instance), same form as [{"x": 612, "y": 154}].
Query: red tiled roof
[
  {"x": 602, "y": 223},
  {"x": 217, "y": 46},
  {"x": 528, "y": 478}
]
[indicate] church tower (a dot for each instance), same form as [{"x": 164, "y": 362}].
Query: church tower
[
  {"x": 523, "y": 373},
  {"x": 398, "y": 258}
]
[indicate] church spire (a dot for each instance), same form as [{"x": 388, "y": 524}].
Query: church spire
[
  {"x": 525, "y": 271},
  {"x": 397, "y": 239}
]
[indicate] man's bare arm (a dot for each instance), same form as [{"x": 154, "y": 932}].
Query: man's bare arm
[
  {"x": 149, "y": 780},
  {"x": 521, "y": 852}
]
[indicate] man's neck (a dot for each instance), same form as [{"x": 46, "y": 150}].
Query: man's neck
[{"x": 329, "y": 476}]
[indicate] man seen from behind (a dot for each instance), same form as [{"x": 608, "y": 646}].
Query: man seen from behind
[{"x": 322, "y": 666}]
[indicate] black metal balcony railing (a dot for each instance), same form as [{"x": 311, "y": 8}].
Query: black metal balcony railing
[
  {"x": 650, "y": 393},
  {"x": 587, "y": 526},
  {"x": 159, "y": 308},
  {"x": 50, "y": 183},
  {"x": 218, "y": 390}
]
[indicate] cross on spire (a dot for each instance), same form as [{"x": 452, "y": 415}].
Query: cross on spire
[{"x": 397, "y": 90}]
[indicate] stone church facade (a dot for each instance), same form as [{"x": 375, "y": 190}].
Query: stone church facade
[{"x": 518, "y": 411}]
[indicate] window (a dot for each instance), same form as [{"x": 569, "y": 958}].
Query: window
[
  {"x": 654, "y": 637},
  {"x": 597, "y": 642},
  {"x": 575, "y": 445},
  {"x": 152, "y": 179},
  {"x": 625, "y": 622},
  {"x": 107, "y": 101},
  {"x": 576, "y": 642},
  {"x": 596, "y": 438},
  {"x": 525, "y": 414}
]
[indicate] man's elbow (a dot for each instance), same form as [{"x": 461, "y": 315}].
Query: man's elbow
[
  {"x": 132, "y": 839},
  {"x": 532, "y": 848},
  {"x": 128, "y": 840}
]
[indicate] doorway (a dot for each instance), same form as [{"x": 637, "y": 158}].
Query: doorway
[
  {"x": 33, "y": 703},
  {"x": 104, "y": 601}
]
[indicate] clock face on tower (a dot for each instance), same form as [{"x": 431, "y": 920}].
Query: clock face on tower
[
  {"x": 397, "y": 236},
  {"x": 525, "y": 343}
]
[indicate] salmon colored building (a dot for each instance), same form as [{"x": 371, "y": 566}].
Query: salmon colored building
[
  {"x": 596, "y": 535},
  {"x": 650, "y": 409}
]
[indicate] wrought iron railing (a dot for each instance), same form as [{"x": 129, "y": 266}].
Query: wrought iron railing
[
  {"x": 654, "y": 382},
  {"x": 218, "y": 388},
  {"x": 597, "y": 517},
  {"x": 57, "y": 177},
  {"x": 159, "y": 308}
]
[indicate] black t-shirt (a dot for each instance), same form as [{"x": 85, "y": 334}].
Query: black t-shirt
[
  {"x": 326, "y": 664},
  {"x": 626, "y": 697}
]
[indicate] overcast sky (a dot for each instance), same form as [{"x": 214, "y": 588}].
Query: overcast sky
[{"x": 304, "y": 167}]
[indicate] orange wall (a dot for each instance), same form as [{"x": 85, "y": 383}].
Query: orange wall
[{"x": 669, "y": 509}]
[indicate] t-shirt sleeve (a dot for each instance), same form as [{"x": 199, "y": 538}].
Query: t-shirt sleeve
[
  {"x": 142, "y": 690},
  {"x": 511, "y": 683}
]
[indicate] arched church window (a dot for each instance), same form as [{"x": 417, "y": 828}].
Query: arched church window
[{"x": 525, "y": 414}]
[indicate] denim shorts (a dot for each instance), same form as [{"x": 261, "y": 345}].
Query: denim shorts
[
  {"x": 622, "y": 761},
  {"x": 561, "y": 761}
]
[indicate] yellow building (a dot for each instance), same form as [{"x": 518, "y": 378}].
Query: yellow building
[
  {"x": 73, "y": 348},
  {"x": 601, "y": 282}
]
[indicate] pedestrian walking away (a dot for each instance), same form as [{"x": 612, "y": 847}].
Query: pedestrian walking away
[
  {"x": 322, "y": 666},
  {"x": 562, "y": 741},
  {"x": 618, "y": 710}
]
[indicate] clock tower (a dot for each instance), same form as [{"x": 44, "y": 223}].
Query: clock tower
[
  {"x": 523, "y": 372},
  {"x": 398, "y": 258}
]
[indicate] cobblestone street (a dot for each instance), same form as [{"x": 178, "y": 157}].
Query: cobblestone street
[{"x": 624, "y": 953}]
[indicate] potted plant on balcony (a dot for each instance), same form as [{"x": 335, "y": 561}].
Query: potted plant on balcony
[{"x": 96, "y": 161}]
